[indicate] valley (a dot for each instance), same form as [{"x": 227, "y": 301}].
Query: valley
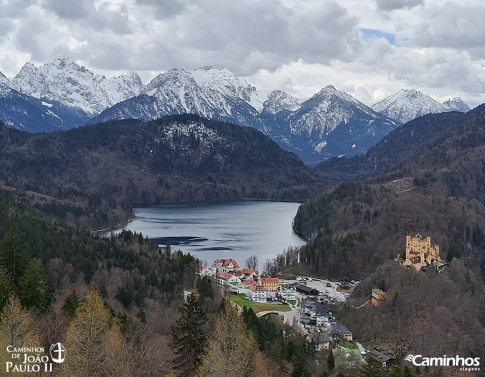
[{"x": 392, "y": 171}]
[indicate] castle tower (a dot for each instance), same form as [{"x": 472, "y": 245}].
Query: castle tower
[{"x": 420, "y": 252}]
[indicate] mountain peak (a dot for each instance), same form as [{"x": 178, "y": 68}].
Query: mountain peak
[
  {"x": 72, "y": 85},
  {"x": 329, "y": 89},
  {"x": 456, "y": 104},
  {"x": 278, "y": 100},
  {"x": 202, "y": 91},
  {"x": 407, "y": 105},
  {"x": 205, "y": 68}
]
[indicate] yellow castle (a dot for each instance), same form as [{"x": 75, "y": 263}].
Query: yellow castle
[{"x": 420, "y": 252}]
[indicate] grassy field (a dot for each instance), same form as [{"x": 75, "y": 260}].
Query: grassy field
[
  {"x": 349, "y": 345},
  {"x": 258, "y": 306}
]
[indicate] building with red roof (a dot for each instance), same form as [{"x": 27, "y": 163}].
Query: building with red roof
[{"x": 271, "y": 284}]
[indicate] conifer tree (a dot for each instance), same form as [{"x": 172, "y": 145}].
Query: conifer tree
[
  {"x": 204, "y": 287},
  {"x": 71, "y": 303},
  {"x": 6, "y": 287},
  {"x": 372, "y": 369},
  {"x": 330, "y": 361},
  {"x": 398, "y": 370},
  {"x": 300, "y": 369},
  {"x": 13, "y": 254},
  {"x": 33, "y": 290},
  {"x": 189, "y": 339}
]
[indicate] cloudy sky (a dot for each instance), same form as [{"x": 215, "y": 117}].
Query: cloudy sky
[{"x": 367, "y": 48}]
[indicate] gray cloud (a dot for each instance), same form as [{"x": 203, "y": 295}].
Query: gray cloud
[
  {"x": 244, "y": 36},
  {"x": 431, "y": 67},
  {"x": 439, "y": 43},
  {"x": 388, "y": 5},
  {"x": 250, "y": 34},
  {"x": 451, "y": 25},
  {"x": 70, "y": 10},
  {"x": 12, "y": 11},
  {"x": 165, "y": 9}
]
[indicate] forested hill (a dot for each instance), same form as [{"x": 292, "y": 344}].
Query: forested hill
[
  {"x": 395, "y": 148},
  {"x": 11, "y": 138},
  {"x": 40, "y": 258},
  {"x": 174, "y": 159},
  {"x": 437, "y": 190}
]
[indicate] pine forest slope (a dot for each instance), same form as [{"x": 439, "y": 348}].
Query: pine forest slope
[
  {"x": 436, "y": 189},
  {"x": 173, "y": 159}
]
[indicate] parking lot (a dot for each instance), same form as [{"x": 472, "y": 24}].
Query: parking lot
[{"x": 327, "y": 289}]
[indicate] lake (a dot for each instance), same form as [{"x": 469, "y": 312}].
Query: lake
[{"x": 211, "y": 230}]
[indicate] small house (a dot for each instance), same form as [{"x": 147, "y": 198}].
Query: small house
[
  {"x": 321, "y": 340},
  {"x": 382, "y": 358},
  {"x": 378, "y": 296},
  {"x": 258, "y": 293},
  {"x": 339, "y": 331}
]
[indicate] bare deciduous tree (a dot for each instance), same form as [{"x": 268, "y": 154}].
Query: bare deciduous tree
[
  {"x": 17, "y": 328},
  {"x": 95, "y": 344},
  {"x": 232, "y": 351},
  {"x": 252, "y": 262}
]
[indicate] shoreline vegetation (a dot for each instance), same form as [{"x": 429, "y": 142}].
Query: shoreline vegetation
[{"x": 121, "y": 224}]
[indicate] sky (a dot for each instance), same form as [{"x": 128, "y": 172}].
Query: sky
[{"x": 367, "y": 48}]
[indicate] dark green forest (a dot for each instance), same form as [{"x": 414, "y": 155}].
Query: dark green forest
[{"x": 92, "y": 175}]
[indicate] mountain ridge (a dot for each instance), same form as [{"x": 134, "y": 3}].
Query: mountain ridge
[
  {"x": 178, "y": 158},
  {"x": 66, "y": 82},
  {"x": 330, "y": 123}
]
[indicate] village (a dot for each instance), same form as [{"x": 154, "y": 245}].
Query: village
[{"x": 305, "y": 303}]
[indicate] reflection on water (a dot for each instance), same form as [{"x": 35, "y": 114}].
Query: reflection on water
[{"x": 211, "y": 230}]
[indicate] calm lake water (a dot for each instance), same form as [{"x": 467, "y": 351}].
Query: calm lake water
[{"x": 211, "y": 230}]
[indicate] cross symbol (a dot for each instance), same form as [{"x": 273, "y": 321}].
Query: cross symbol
[{"x": 59, "y": 350}]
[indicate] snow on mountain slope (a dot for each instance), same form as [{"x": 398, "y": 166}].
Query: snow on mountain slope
[
  {"x": 407, "y": 105},
  {"x": 279, "y": 101},
  {"x": 329, "y": 123},
  {"x": 30, "y": 114},
  {"x": 64, "y": 81},
  {"x": 4, "y": 80},
  {"x": 456, "y": 104},
  {"x": 322, "y": 113},
  {"x": 206, "y": 91}
]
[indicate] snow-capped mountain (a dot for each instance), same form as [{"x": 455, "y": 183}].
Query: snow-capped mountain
[
  {"x": 301, "y": 127},
  {"x": 456, "y": 104},
  {"x": 327, "y": 124},
  {"x": 280, "y": 101},
  {"x": 407, "y": 105},
  {"x": 208, "y": 92},
  {"x": 30, "y": 114},
  {"x": 334, "y": 122},
  {"x": 66, "y": 82},
  {"x": 4, "y": 80}
]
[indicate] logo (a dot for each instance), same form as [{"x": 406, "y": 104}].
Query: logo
[
  {"x": 465, "y": 363},
  {"x": 410, "y": 358},
  {"x": 58, "y": 353}
]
